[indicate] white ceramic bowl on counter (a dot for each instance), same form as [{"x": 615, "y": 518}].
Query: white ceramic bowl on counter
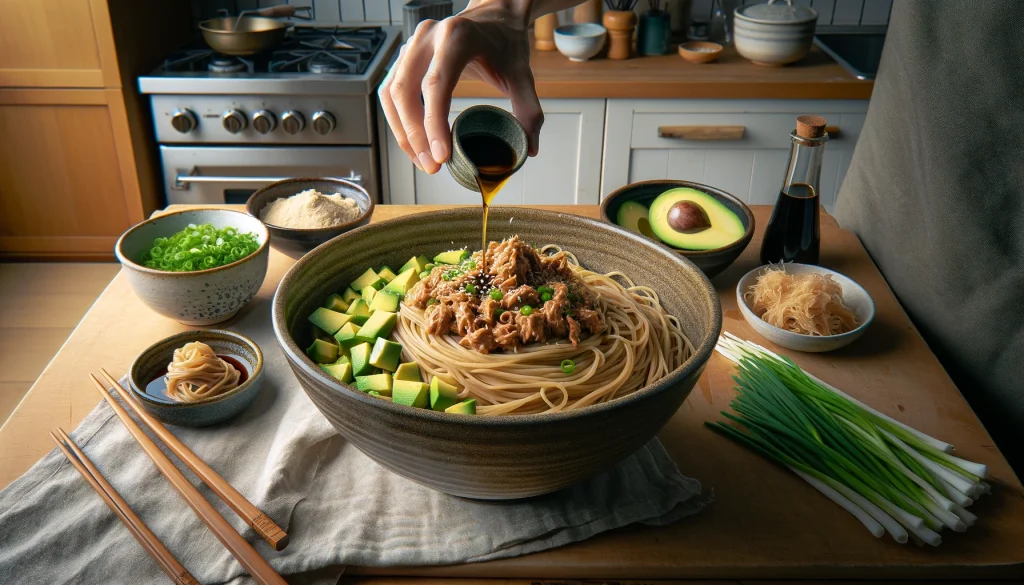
[
  {"x": 775, "y": 33},
  {"x": 854, "y": 296},
  {"x": 201, "y": 297},
  {"x": 580, "y": 42}
]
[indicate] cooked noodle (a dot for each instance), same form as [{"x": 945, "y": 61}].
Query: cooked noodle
[
  {"x": 809, "y": 304},
  {"x": 195, "y": 373},
  {"x": 642, "y": 344}
]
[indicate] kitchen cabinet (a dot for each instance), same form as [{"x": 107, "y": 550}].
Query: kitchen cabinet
[
  {"x": 567, "y": 171},
  {"x": 77, "y": 164},
  {"x": 750, "y": 167}
]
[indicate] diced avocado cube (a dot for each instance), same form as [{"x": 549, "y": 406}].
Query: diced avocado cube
[
  {"x": 408, "y": 371},
  {"x": 342, "y": 372},
  {"x": 442, "y": 394},
  {"x": 386, "y": 354},
  {"x": 429, "y": 267},
  {"x": 349, "y": 295},
  {"x": 385, "y": 301},
  {"x": 409, "y": 393},
  {"x": 451, "y": 257},
  {"x": 379, "y": 324},
  {"x": 358, "y": 308},
  {"x": 368, "y": 293},
  {"x": 336, "y": 303},
  {"x": 328, "y": 320},
  {"x": 376, "y": 394},
  {"x": 386, "y": 273},
  {"x": 319, "y": 333},
  {"x": 342, "y": 358},
  {"x": 423, "y": 275},
  {"x": 403, "y": 282},
  {"x": 346, "y": 336},
  {"x": 322, "y": 352},
  {"x": 417, "y": 262},
  {"x": 368, "y": 278},
  {"x": 464, "y": 407},
  {"x": 379, "y": 383},
  {"x": 361, "y": 359}
]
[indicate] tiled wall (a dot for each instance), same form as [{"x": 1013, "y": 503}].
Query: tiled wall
[{"x": 831, "y": 12}]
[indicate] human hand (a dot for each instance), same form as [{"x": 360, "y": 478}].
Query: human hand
[{"x": 489, "y": 41}]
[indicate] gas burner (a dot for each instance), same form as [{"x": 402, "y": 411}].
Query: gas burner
[
  {"x": 225, "y": 64},
  {"x": 317, "y": 62}
]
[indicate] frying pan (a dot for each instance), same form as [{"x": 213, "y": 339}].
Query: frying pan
[{"x": 248, "y": 35}]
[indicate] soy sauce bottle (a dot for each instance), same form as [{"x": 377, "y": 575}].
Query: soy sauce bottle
[{"x": 793, "y": 233}]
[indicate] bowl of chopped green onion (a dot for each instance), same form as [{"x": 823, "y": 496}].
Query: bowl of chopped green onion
[{"x": 198, "y": 267}]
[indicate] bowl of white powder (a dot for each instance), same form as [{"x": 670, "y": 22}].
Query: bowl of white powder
[{"x": 303, "y": 213}]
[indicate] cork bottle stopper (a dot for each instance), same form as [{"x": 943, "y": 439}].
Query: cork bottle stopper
[{"x": 810, "y": 126}]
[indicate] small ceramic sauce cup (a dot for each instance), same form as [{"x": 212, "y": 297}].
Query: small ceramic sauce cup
[{"x": 487, "y": 120}]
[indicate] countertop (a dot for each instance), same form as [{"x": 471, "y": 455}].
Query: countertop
[
  {"x": 765, "y": 522},
  {"x": 669, "y": 76}
]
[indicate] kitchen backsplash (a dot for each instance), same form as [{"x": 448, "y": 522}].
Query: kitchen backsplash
[{"x": 831, "y": 12}]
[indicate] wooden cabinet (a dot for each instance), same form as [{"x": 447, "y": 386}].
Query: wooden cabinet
[
  {"x": 77, "y": 159},
  {"x": 567, "y": 171},
  {"x": 750, "y": 167},
  {"x": 64, "y": 173}
]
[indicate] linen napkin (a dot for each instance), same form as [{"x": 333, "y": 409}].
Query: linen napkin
[{"x": 338, "y": 506}]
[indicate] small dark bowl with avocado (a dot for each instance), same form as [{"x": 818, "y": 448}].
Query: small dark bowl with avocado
[{"x": 708, "y": 226}]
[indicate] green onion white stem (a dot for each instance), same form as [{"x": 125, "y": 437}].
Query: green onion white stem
[{"x": 891, "y": 477}]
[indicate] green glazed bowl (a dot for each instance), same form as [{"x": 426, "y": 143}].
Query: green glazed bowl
[
  {"x": 496, "y": 457},
  {"x": 478, "y": 120}
]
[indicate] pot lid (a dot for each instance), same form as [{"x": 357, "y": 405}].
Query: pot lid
[{"x": 777, "y": 12}]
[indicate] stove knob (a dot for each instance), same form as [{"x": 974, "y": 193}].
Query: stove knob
[
  {"x": 323, "y": 122},
  {"x": 264, "y": 121},
  {"x": 184, "y": 121},
  {"x": 292, "y": 122},
  {"x": 234, "y": 121}
]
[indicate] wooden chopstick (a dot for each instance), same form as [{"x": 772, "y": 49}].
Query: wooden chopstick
[
  {"x": 156, "y": 549},
  {"x": 253, "y": 516},
  {"x": 257, "y": 567}
]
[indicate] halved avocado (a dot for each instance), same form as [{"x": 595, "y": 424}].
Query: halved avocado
[
  {"x": 633, "y": 216},
  {"x": 693, "y": 220}
]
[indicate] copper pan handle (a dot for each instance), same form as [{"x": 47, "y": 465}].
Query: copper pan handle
[{"x": 281, "y": 10}]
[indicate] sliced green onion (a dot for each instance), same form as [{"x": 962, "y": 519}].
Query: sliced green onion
[
  {"x": 432, "y": 301},
  {"x": 496, "y": 294},
  {"x": 470, "y": 288},
  {"x": 498, "y": 312},
  {"x": 544, "y": 289},
  {"x": 545, "y": 297},
  {"x": 568, "y": 366},
  {"x": 199, "y": 247},
  {"x": 525, "y": 310}
]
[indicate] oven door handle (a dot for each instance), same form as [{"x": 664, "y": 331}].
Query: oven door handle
[{"x": 183, "y": 180}]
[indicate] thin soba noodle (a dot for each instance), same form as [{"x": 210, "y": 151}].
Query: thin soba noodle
[
  {"x": 195, "y": 373},
  {"x": 641, "y": 345}
]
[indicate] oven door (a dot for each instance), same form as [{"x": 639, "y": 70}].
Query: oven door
[{"x": 230, "y": 174}]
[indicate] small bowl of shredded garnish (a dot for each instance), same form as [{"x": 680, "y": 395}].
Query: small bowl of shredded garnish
[
  {"x": 803, "y": 307},
  {"x": 303, "y": 213}
]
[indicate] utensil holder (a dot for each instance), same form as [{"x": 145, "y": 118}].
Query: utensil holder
[
  {"x": 416, "y": 11},
  {"x": 491, "y": 120},
  {"x": 589, "y": 11},
  {"x": 620, "y": 25},
  {"x": 654, "y": 33}
]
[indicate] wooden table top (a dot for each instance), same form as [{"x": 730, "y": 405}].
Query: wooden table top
[
  {"x": 816, "y": 76},
  {"x": 765, "y": 522}
]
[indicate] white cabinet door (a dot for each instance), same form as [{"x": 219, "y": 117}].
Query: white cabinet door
[
  {"x": 751, "y": 168},
  {"x": 567, "y": 170}
]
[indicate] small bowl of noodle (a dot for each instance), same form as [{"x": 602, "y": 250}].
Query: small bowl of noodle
[
  {"x": 803, "y": 307},
  {"x": 197, "y": 378}
]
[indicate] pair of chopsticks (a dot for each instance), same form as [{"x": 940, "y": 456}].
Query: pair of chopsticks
[{"x": 243, "y": 552}]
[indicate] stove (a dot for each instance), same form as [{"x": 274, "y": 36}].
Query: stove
[{"x": 228, "y": 125}]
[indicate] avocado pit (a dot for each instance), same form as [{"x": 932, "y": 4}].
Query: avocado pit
[{"x": 688, "y": 217}]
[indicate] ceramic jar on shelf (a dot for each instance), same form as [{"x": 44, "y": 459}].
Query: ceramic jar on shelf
[{"x": 620, "y": 25}]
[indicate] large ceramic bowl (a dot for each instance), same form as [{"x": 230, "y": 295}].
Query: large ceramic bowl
[
  {"x": 711, "y": 262},
  {"x": 502, "y": 457},
  {"x": 295, "y": 241},
  {"x": 774, "y": 33},
  {"x": 203, "y": 297},
  {"x": 854, "y": 296},
  {"x": 152, "y": 365}
]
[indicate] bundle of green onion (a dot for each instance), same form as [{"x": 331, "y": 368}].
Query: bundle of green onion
[
  {"x": 891, "y": 477},
  {"x": 199, "y": 247}
]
